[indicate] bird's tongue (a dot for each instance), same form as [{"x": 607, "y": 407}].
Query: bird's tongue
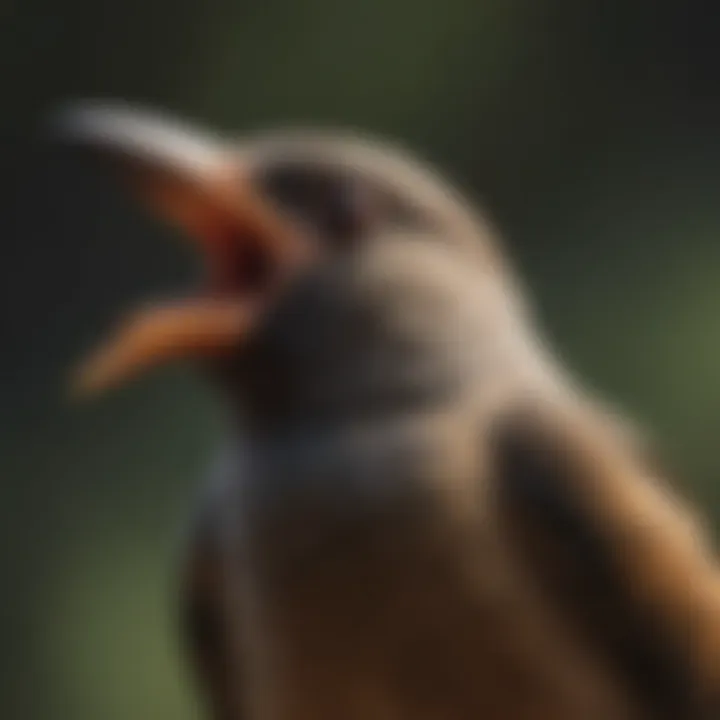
[{"x": 249, "y": 249}]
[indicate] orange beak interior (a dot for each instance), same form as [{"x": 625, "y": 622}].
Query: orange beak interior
[{"x": 249, "y": 248}]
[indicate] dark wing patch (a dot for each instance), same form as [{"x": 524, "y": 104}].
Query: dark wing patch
[{"x": 571, "y": 555}]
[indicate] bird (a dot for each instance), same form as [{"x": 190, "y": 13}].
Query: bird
[{"x": 419, "y": 512}]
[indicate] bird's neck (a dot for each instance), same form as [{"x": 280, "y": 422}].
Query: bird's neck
[
  {"x": 335, "y": 396},
  {"x": 384, "y": 341},
  {"x": 383, "y": 382}
]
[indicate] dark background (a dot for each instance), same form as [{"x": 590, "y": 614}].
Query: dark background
[{"x": 588, "y": 129}]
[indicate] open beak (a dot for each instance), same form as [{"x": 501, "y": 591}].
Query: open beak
[{"x": 205, "y": 188}]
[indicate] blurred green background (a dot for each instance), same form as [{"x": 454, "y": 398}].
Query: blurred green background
[{"x": 588, "y": 130}]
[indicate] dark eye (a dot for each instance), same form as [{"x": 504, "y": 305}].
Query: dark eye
[
  {"x": 329, "y": 201},
  {"x": 291, "y": 186}
]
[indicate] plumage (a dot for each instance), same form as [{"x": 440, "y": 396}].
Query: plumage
[{"x": 422, "y": 515}]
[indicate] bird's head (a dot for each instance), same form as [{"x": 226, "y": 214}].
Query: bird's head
[{"x": 335, "y": 264}]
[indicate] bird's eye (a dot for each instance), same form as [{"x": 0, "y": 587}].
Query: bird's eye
[
  {"x": 328, "y": 201},
  {"x": 346, "y": 214},
  {"x": 289, "y": 186}
]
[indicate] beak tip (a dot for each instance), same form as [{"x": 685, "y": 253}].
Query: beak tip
[
  {"x": 120, "y": 128},
  {"x": 78, "y": 120},
  {"x": 82, "y": 386},
  {"x": 95, "y": 375}
]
